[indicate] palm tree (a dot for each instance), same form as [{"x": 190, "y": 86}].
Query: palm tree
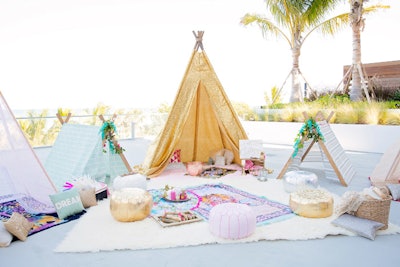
[
  {"x": 357, "y": 22},
  {"x": 34, "y": 127},
  {"x": 294, "y": 21}
]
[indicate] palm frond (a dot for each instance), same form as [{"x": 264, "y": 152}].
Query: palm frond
[
  {"x": 317, "y": 10},
  {"x": 334, "y": 24},
  {"x": 374, "y": 8},
  {"x": 267, "y": 26}
]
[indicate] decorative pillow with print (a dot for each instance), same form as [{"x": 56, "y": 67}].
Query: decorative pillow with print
[
  {"x": 176, "y": 156},
  {"x": 67, "y": 203}
]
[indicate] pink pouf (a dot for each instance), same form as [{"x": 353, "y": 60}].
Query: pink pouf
[{"x": 232, "y": 220}]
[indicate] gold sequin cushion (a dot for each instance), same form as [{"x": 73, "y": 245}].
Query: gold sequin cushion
[{"x": 18, "y": 226}]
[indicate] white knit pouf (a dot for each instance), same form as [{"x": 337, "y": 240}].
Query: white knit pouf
[
  {"x": 232, "y": 220},
  {"x": 130, "y": 181}
]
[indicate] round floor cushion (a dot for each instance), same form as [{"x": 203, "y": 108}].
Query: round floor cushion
[
  {"x": 232, "y": 220},
  {"x": 130, "y": 204},
  {"x": 311, "y": 203}
]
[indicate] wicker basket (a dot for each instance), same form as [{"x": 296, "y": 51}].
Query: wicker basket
[{"x": 375, "y": 210}]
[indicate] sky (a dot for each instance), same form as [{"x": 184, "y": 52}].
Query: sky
[{"x": 134, "y": 53}]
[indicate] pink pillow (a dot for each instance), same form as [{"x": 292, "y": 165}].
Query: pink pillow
[
  {"x": 176, "y": 157},
  {"x": 248, "y": 164}
]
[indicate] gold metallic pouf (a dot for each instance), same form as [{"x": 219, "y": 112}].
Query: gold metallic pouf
[
  {"x": 130, "y": 204},
  {"x": 311, "y": 203}
]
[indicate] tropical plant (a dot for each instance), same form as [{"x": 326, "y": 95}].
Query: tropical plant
[
  {"x": 100, "y": 109},
  {"x": 294, "y": 21},
  {"x": 34, "y": 128},
  {"x": 245, "y": 112},
  {"x": 274, "y": 98}
]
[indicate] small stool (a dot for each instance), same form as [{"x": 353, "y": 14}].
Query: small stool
[{"x": 232, "y": 220}]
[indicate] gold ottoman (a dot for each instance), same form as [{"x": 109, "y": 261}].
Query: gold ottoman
[
  {"x": 130, "y": 204},
  {"x": 311, "y": 203}
]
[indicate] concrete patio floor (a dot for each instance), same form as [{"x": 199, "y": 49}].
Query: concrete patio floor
[{"x": 37, "y": 250}]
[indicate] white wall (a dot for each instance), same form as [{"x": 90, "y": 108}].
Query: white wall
[{"x": 354, "y": 137}]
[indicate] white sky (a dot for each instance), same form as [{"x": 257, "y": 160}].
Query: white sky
[{"x": 133, "y": 53}]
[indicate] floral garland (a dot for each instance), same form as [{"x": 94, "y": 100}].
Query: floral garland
[
  {"x": 309, "y": 130},
  {"x": 108, "y": 132}
]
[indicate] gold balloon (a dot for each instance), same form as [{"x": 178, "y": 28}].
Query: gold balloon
[{"x": 130, "y": 204}]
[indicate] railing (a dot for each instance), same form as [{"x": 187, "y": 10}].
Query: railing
[{"x": 43, "y": 130}]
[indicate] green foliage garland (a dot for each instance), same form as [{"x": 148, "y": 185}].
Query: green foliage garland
[
  {"x": 309, "y": 130},
  {"x": 108, "y": 131}
]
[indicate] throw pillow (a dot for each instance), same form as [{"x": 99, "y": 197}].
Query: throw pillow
[
  {"x": 18, "y": 226},
  {"x": 176, "y": 156},
  {"x": 67, "y": 203},
  {"x": 214, "y": 154},
  {"x": 360, "y": 226},
  {"x": 88, "y": 197},
  {"x": 394, "y": 191},
  {"x": 220, "y": 160},
  {"x": 228, "y": 157},
  {"x": 5, "y": 236}
]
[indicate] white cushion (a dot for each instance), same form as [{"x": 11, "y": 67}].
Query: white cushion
[
  {"x": 130, "y": 181},
  {"x": 5, "y": 236}
]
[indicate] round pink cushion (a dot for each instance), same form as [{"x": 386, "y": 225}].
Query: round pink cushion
[{"x": 232, "y": 220}]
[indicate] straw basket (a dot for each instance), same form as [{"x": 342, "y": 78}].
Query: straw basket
[{"x": 375, "y": 210}]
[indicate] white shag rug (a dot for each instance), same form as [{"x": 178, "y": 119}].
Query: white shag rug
[{"x": 98, "y": 231}]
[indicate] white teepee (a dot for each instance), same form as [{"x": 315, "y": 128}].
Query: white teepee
[
  {"x": 21, "y": 172},
  {"x": 388, "y": 169}
]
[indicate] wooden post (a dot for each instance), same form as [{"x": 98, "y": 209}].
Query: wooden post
[{"x": 61, "y": 119}]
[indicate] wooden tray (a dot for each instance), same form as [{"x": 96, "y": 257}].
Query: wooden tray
[{"x": 163, "y": 223}]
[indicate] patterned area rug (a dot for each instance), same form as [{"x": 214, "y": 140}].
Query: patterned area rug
[
  {"x": 26, "y": 207},
  {"x": 203, "y": 198}
]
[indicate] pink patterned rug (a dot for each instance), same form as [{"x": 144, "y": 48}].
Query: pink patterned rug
[{"x": 204, "y": 197}]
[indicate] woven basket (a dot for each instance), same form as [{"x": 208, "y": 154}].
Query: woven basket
[{"x": 375, "y": 210}]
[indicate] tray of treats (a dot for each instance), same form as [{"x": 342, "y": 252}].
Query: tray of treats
[
  {"x": 174, "y": 194},
  {"x": 176, "y": 218}
]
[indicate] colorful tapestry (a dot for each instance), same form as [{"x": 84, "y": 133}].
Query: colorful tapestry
[
  {"x": 204, "y": 197},
  {"x": 41, "y": 221}
]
